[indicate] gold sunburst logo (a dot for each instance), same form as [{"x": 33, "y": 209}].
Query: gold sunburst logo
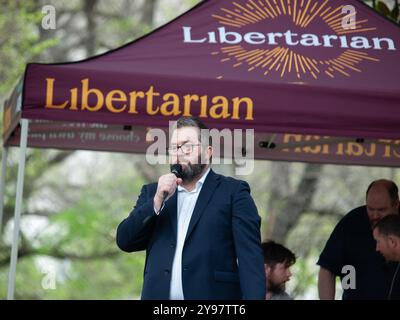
[{"x": 284, "y": 59}]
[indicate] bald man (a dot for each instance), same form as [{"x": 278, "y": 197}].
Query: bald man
[{"x": 350, "y": 252}]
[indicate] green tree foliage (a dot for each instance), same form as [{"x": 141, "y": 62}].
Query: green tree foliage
[
  {"x": 389, "y": 9},
  {"x": 19, "y": 40},
  {"x": 68, "y": 227},
  {"x": 76, "y": 241}
]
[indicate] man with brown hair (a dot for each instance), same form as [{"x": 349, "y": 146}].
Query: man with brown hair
[
  {"x": 201, "y": 230},
  {"x": 277, "y": 261}
]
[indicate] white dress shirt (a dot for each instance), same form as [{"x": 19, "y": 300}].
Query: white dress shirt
[{"x": 186, "y": 203}]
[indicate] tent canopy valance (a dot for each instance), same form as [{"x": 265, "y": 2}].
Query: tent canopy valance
[{"x": 294, "y": 71}]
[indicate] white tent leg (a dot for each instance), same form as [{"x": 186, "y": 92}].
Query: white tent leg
[
  {"x": 3, "y": 183},
  {"x": 18, "y": 205}
]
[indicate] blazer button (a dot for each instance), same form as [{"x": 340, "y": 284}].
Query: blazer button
[
  {"x": 185, "y": 268},
  {"x": 166, "y": 272},
  {"x": 172, "y": 245}
]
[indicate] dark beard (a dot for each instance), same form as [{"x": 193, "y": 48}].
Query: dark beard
[
  {"x": 275, "y": 288},
  {"x": 191, "y": 171}
]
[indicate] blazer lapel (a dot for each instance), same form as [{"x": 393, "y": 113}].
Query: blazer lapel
[
  {"x": 171, "y": 208},
  {"x": 206, "y": 192}
]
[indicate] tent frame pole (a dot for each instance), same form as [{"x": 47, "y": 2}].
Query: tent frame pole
[
  {"x": 18, "y": 206},
  {"x": 4, "y": 157}
]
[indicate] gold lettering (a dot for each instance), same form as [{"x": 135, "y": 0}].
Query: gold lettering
[
  {"x": 315, "y": 149},
  {"x": 236, "y": 104},
  {"x": 397, "y": 155},
  {"x": 203, "y": 107},
  {"x": 116, "y": 101},
  {"x": 325, "y": 147},
  {"x": 49, "y": 96},
  {"x": 387, "y": 148},
  {"x": 74, "y": 99},
  {"x": 187, "y": 102},
  {"x": 340, "y": 149},
  {"x": 174, "y": 103},
  {"x": 150, "y": 94},
  {"x": 294, "y": 137},
  {"x": 115, "y": 95},
  {"x": 354, "y": 149},
  {"x": 220, "y": 103},
  {"x": 372, "y": 150},
  {"x": 85, "y": 95},
  {"x": 133, "y": 95}
]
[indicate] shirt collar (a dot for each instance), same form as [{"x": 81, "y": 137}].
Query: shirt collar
[{"x": 198, "y": 183}]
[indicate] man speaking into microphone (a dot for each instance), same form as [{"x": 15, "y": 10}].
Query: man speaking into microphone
[{"x": 200, "y": 230}]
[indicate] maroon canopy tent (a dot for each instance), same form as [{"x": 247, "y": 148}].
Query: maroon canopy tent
[
  {"x": 295, "y": 71},
  {"x": 316, "y": 79}
]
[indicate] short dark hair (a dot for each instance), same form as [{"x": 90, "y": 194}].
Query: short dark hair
[
  {"x": 276, "y": 253},
  {"x": 196, "y": 123},
  {"x": 389, "y": 225},
  {"x": 390, "y": 186},
  {"x": 190, "y": 122}
]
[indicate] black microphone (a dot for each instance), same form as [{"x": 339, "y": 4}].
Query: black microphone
[{"x": 176, "y": 169}]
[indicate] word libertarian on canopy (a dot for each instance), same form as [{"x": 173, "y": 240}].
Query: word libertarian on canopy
[
  {"x": 152, "y": 102},
  {"x": 289, "y": 38}
]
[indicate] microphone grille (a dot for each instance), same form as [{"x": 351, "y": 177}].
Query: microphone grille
[{"x": 176, "y": 169}]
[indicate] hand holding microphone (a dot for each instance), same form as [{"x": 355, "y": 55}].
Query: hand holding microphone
[{"x": 167, "y": 185}]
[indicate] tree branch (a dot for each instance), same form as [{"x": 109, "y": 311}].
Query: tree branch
[
  {"x": 25, "y": 252},
  {"x": 148, "y": 172},
  {"x": 331, "y": 213}
]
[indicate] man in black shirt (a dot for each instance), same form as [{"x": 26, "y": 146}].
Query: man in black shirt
[
  {"x": 387, "y": 236},
  {"x": 351, "y": 250}
]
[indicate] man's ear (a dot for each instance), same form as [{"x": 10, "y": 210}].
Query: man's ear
[
  {"x": 267, "y": 268},
  {"x": 210, "y": 150},
  {"x": 395, "y": 241},
  {"x": 392, "y": 241}
]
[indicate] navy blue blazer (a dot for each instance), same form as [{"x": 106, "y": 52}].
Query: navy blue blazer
[{"x": 222, "y": 256}]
